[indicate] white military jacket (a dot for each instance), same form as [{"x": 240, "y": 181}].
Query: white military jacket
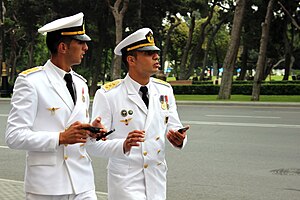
[
  {"x": 41, "y": 108},
  {"x": 141, "y": 174}
]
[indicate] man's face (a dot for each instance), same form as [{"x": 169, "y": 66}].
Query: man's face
[
  {"x": 146, "y": 63},
  {"x": 76, "y": 51}
]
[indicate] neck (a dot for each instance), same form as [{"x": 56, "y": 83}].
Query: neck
[
  {"x": 60, "y": 63},
  {"x": 139, "y": 79}
]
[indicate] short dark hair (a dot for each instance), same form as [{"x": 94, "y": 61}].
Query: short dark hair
[
  {"x": 54, "y": 38},
  {"x": 125, "y": 55}
]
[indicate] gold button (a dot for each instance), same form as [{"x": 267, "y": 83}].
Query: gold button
[
  {"x": 66, "y": 145},
  {"x": 82, "y": 156},
  {"x": 145, "y": 165},
  {"x": 145, "y": 153},
  {"x": 65, "y": 157},
  {"x": 81, "y": 145},
  {"x": 158, "y": 151},
  {"x": 157, "y": 138}
]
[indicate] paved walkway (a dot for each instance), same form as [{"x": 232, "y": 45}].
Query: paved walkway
[
  {"x": 14, "y": 190},
  {"x": 223, "y": 103}
]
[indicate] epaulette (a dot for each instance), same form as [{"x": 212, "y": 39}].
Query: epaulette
[
  {"x": 111, "y": 85},
  {"x": 31, "y": 70},
  {"x": 156, "y": 80},
  {"x": 81, "y": 77}
]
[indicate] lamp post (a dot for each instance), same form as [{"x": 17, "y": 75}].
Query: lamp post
[{"x": 5, "y": 91}]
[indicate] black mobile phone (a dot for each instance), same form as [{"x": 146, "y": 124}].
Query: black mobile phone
[
  {"x": 105, "y": 134},
  {"x": 183, "y": 129},
  {"x": 93, "y": 129}
]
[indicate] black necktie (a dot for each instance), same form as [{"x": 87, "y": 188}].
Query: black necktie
[
  {"x": 144, "y": 91},
  {"x": 68, "y": 79}
]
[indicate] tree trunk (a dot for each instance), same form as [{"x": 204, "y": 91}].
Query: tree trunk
[
  {"x": 287, "y": 53},
  {"x": 198, "y": 48},
  {"x": 244, "y": 63},
  {"x": 230, "y": 58},
  {"x": 208, "y": 46},
  {"x": 167, "y": 40},
  {"x": 118, "y": 14},
  {"x": 262, "y": 53},
  {"x": 30, "y": 55},
  {"x": 186, "y": 50}
]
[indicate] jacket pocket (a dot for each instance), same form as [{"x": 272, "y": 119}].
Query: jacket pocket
[{"x": 41, "y": 158}]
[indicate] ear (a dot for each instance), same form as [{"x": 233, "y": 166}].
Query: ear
[
  {"x": 130, "y": 59},
  {"x": 62, "y": 47}
]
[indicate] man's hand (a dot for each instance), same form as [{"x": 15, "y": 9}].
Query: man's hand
[
  {"x": 97, "y": 123},
  {"x": 74, "y": 134},
  {"x": 133, "y": 139},
  {"x": 176, "y": 138}
]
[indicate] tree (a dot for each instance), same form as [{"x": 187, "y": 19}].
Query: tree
[
  {"x": 118, "y": 12},
  {"x": 231, "y": 55},
  {"x": 174, "y": 21},
  {"x": 262, "y": 53}
]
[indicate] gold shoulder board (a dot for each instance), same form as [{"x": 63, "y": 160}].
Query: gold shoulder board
[
  {"x": 156, "y": 80},
  {"x": 111, "y": 85},
  {"x": 31, "y": 70}
]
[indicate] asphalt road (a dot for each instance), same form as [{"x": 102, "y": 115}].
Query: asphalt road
[{"x": 234, "y": 152}]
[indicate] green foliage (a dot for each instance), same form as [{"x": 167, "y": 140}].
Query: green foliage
[
  {"x": 236, "y": 97},
  {"x": 24, "y": 17},
  {"x": 244, "y": 89}
]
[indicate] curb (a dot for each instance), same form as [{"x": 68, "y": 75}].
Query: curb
[
  {"x": 240, "y": 103},
  {"x": 222, "y": 103}
]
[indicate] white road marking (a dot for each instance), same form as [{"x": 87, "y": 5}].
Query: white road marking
[
  {"x": 244, "y": 116},
  {"x": 242, "y": 124}
]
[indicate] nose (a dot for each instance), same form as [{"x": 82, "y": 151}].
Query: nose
[
  {"x": 85, "y": 46},
  {"x": 155, "y": 56}
]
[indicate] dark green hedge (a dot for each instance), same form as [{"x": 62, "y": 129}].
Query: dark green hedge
[
  {"x": 250, "y": 82},
  {"x": 245, "y": 89}
]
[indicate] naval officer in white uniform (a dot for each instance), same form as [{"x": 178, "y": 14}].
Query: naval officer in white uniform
[
  {"x": 151, "y": 110},
  {"x": 48, "y": 115}
]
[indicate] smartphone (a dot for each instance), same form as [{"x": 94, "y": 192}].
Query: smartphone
[
  {"x": 105, "y": 134},
  {"x": 181, "y": 130},
  {"x": 93, "y": 129}
]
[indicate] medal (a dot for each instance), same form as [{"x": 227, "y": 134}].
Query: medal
[
  {"x": 167, "y": 101},
  {"x": 161, "y": 99},
  {"x": 83, "y": 98},
  {"x": 162, "y": 102},
  {"x": 164, "y": 105}
]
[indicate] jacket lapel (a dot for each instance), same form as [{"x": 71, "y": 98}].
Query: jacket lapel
[
  {"x": 80, "y": 102},
  {"x": 151, "y": 111},
  {"x": 134, "y": 96},
  {"x": 58, "y": 85}
]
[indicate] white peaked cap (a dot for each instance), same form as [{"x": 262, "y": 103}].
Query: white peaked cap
[
  {"x": 68, "y": 26},
  {"x": 140, "y": 40}
]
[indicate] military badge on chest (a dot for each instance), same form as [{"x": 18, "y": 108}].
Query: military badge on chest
[
  {"x": 52, "y": 110},
  {"x": 83, "y": 97},
  {"x": 127, "y": 114},
  {"x": 164, "y": 104}
]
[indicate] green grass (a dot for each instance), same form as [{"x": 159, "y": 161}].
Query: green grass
[{"x": 263, "y": 98}]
